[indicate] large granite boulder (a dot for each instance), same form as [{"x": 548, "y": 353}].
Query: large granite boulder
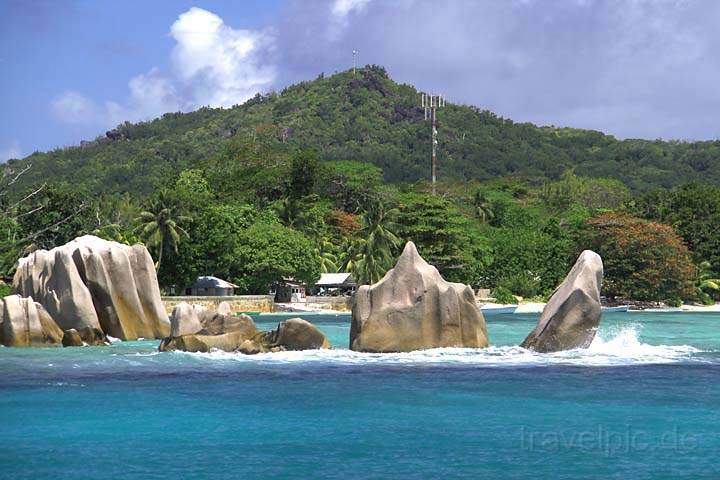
[
  {"x": 292, "y": 334},
  {"x": 25, "y": 323},
  {"x": 414, "y": 308},
  {"x": 299, "y": 334},
  {"x": 184, "y": 320},
  {"x": 243, "y": 337},
  {"x": 572, "y": 315},
  {"x": 218, "y": 324},
  {"x": 91, "y": 282}
]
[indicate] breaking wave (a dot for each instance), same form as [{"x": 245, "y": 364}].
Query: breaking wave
[{"x": 621, "y": 347}]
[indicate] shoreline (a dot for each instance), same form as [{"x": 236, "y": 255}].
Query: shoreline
[{"x": 492, "y": 307}]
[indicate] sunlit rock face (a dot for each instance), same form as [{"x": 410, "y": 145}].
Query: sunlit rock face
[
  {"x": 572, "y": 315},
  {"x": 91, "y": 282},
  {"x": 239, "y": 334},
  {"x": 184, "y": 320},
  {"x": 414, "y": 308},
  {"x": 25, "y": 323}
]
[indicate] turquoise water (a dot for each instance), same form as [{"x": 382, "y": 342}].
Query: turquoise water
[{"x": 642, "y": 402}]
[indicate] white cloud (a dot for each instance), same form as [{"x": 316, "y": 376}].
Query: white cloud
[
  {"x": 211, "y": 64},
  {"x": 222, "y": 66},
  {"x": 12, "y": 151},
  {"x": 75, "y": 108},
  {"x": 341, "y": 8}
]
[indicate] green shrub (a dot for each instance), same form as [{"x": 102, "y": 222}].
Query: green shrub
[
  {"x": 524, "y": 284},
  {"x": 503, "y": 295},
  {"x": 674, "y": 302}
]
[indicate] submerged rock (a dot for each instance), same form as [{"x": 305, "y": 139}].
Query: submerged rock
[
  {"x": 91, "y": 282},
  {"x": 24, "y": 323},
  {"x": 572, "y": 315},
  {"x": 414, "y": 308}
]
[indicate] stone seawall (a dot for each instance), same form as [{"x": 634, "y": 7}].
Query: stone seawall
[
  {"x": 238, "y": 303},
  {"x": 341, "y": 304}
]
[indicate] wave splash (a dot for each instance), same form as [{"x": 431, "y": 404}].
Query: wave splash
[{"x": 621, "y": 347}]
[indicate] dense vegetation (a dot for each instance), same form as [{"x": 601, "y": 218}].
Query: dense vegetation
[{"x": 327, "y": 176}]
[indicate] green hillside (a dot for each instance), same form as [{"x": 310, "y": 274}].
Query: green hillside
[
  {"x": 330, "y": 175},
  {"x": 369, "y": 118}
]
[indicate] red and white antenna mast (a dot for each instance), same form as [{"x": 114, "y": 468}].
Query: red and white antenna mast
[{"x": 431, "y": 103}]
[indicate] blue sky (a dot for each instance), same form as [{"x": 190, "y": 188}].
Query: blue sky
[{"x": 73, "y": 69}]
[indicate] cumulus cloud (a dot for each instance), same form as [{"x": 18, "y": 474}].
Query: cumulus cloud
[
  {"x": 212, "y": 64},
  {"x": 12, "y": 151},
  {"x": 634, "y": 68},
  {"x": 220, "y": 65}
]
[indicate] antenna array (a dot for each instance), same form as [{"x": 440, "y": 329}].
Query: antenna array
[{"x": 430, "y": 103}]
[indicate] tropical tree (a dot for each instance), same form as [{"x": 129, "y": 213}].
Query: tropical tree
[
  {"x": 371, "y": 254},
  {"x": 324, "y": 251},
  {"x": 483, "y": 207},
  {"x": 158, "y": 227},
  {"x": 706, "y": 284},
  {"x": 642, "y": 260}
]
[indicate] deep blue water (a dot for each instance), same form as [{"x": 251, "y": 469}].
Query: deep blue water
[{"x": 642, "y": 402}]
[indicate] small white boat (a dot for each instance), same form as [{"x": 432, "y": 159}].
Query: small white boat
[
  {"x": 493, "y": 309},
  {"x": 620, "y": 308}
]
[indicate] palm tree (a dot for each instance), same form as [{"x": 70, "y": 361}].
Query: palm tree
[
  {"x": 159, "y": 227},
  {"x": 328, "y": 260},
  {"x": 705, "y": 282},
  {"x": 483, "y": 207},
  {"x": 371, "y": 255}
]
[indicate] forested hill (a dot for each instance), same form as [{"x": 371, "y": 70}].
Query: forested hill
[{"x": 367, "y": 117}]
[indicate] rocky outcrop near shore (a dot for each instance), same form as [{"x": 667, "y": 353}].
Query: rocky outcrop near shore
[
  {"x": 239, "y": 334},
  {"x": 184, "y": 320},
  {"x": 572, "y": 315},
  {"x": 25, "y": 323},
  {"x": 414, "y": 308},
  {"x": 91, "y": 282},
  {"x": 87, "y": 336}
]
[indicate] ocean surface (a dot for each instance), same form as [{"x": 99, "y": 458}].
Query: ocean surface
[{"x": 643, "y": 402}]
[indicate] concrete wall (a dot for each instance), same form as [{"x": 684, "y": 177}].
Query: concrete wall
[
  {"x": 238, "y": 303},
  {"x": 341, "y": 304}
]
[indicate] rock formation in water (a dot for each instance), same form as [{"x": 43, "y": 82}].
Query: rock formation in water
[
  {"x": 239, "y": 334},
  {"x": 218, "y": 324},
  {"x": 414, "y": 308},
  {"x": 184, "y": 320},
  {"x": 572, "y": 315},
  {"x": 25, "y": 323},
  {"x": 224, "y": 309},
  {"x": 292, "y": 334},
  {"x": 87, "y": 336},
  {"x": 96, "y": 283}
]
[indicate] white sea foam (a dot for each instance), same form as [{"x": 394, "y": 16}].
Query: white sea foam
[{"x": 619, "y": 348}]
